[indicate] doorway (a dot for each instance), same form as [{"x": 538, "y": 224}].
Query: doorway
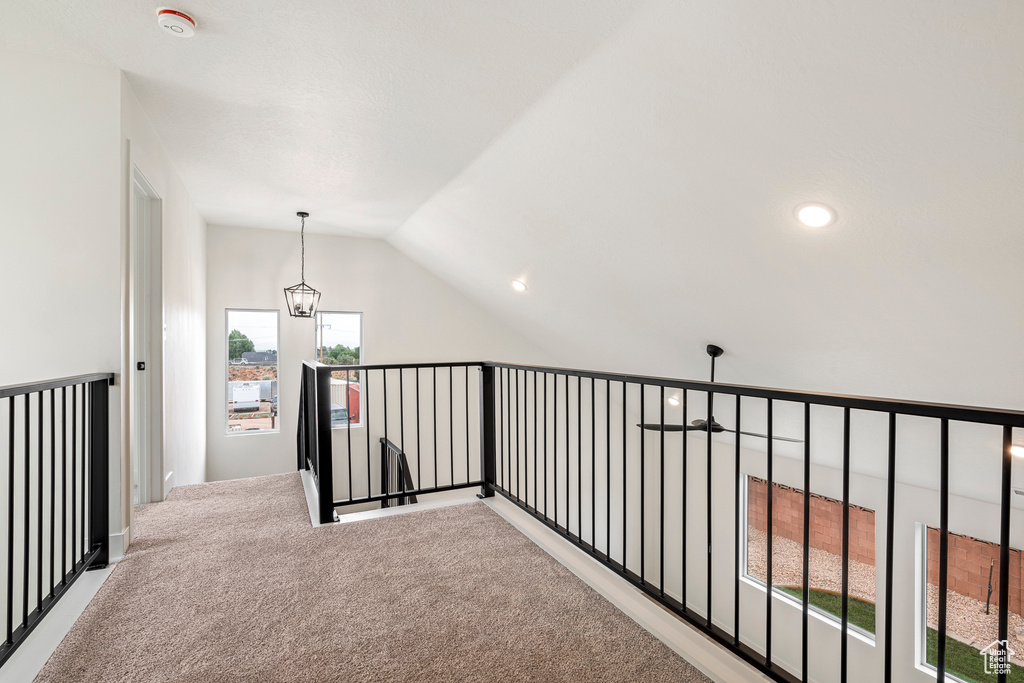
[{"x": 146, "y": 343}]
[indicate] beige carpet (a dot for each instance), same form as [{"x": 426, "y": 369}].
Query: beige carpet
[{"x": 229, "y": 582}]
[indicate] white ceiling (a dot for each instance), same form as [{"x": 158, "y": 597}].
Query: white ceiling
[
  {"x": 647, "y": 200},
  {"x": 354, "y": 111},
  {"x": 637, "y": 164}
]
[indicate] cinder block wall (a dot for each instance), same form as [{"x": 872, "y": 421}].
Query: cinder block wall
[
  {"x": 826, "y": 519},
  {"x": 969, "y": 562}
]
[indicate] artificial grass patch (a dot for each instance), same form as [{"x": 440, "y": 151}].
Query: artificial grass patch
[
  {"x": 966, "y": 662},
  {"x": 962, "y": 660},
  {"x": 858, "y": 612}
]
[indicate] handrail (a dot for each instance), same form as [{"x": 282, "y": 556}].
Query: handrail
[
  {"x": 398, "y": 366},
  {"x": 962, "y": 413},
  {"x": 976, "y": 414},
  {"x": 32, "y": 387}
]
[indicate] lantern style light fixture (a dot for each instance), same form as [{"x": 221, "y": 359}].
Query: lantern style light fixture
[{"x": 301, "y": 298}]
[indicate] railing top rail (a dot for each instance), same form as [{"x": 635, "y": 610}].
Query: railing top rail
[
  {"x": 46, "y": 385},
  {"x": 391, "y": 446},
  {"x": 395, "y": 366},
  {"x": 994, "y": 416}
]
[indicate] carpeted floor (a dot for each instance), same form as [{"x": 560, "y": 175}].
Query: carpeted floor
[{"x": 229, "y": 582}]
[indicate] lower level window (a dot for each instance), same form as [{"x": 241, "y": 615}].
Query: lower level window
[
  {"x": 826, "y": 551},
  {"x": 972, "y": 607},
  {"x": 252, "y": 341}
]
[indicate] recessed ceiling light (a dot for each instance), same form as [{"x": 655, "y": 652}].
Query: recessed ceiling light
[
  {"x": 815, "y": 215},
  {"x": 519, "y": 285},
  {"x": 1018, "y": 450},
  {"x": 672, "y": 400}
]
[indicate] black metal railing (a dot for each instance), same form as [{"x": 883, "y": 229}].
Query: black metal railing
[
  {"x": 566, "y": 446},
  {"x": 395, "y": 476},
  {"x": 430, "y": 412},
  {"x": 55, "y": 511}
]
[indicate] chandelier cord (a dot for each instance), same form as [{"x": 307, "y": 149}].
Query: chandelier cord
[{"x": 303, "y": 233}]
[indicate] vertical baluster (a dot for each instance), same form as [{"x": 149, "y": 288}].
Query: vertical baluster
[
  {"x": 707, "y": 478},
  {"x": 419, "y": 444},
  {"x": 433, "y": 385},
  {"x": 625, "y": 497},
  {"x": 685, "y": 487},
  {"x": 385, "y": 483},
  {"x": 845, "y": 611},
  {"x": 63, "y": 485},
  {"x": 85, "y": 468},
  {"x": 401, "y": 429},
  {"x": 579, "y": 458},
  {"x": 661, "y": 497},
  {"x": 536, "y": 507},
  {"x": 28, "y": 480},
  {"x": 608, "y": 470},
  {"x": 593, "y": 467},
  {"x": 53, "y": 481},
  {"x": 737, "y": 516},
  {"x": 890, "y": 525},
  {"x": 469, "y": 477},
  {"x": 1004, "y": 542},
  {"x": 568, "y": 509},
  {"x": 943, "y": 545},
  {"x": 516, "y": 424},
  {"x": 545, "y": 444},
  {"x": 451, "y": 426},
  {"x": 643, "y": 498},
  {"x": 348, "y": 432},
  {"x": 805, "y": 599},
  {"x": 39, "y": 501},
  {"x": 10, "y": 519},
  {"x": 768, "y": 582},
  {"x": 366, "y": 422},
  {"x": 554, "y": 446}
]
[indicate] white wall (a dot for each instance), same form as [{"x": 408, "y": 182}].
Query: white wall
[
  {"x": 408, "y": 316},
  {"x": 183, "y": 267},
  {"x": 60, "y": 261}
]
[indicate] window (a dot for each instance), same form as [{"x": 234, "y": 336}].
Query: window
[
  {"x": 972, "y": 605},
  {"x": 826, "y": 558},
  {"x": 252, "y": 341},
  {"x": 339, "y": 341}
]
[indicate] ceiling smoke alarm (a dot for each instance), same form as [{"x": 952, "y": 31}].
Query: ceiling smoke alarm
[{"x": 176, "y": 23}]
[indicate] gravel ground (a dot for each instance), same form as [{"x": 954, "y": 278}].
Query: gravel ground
[
  {"x": 787, "y": 566},
  {"x": 966, "y": 619},
  {"x": 967, "y": 622}
]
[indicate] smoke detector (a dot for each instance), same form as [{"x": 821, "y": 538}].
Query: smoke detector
[{"x": 176, "y": 23}]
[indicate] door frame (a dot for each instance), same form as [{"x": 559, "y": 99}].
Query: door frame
[{"x": 150, "y": 422}]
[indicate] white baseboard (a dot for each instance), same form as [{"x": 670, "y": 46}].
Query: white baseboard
[
  {"x": 116, "y": 547},
  {"x": 709, "y": 657},
  {"x": 33, "y": 653}
]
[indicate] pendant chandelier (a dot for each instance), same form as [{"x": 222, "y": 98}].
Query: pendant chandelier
[{"x": 302, "y": 299}]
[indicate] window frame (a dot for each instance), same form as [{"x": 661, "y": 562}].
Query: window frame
[
  {"x": 813, "y": 610},
  {"x": 317, "y": 322},
  {"x": 227, "y": 370}
]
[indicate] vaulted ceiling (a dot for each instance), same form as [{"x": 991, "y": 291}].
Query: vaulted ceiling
[{"x": 637, "y": 164}]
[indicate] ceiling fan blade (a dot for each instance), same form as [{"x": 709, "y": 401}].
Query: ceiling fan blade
[
  {"x": 765, "y": 436},
  {"x": 659, "y": 427}
]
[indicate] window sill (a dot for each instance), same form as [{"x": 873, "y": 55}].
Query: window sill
[{"x": 813, "y": 611}]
